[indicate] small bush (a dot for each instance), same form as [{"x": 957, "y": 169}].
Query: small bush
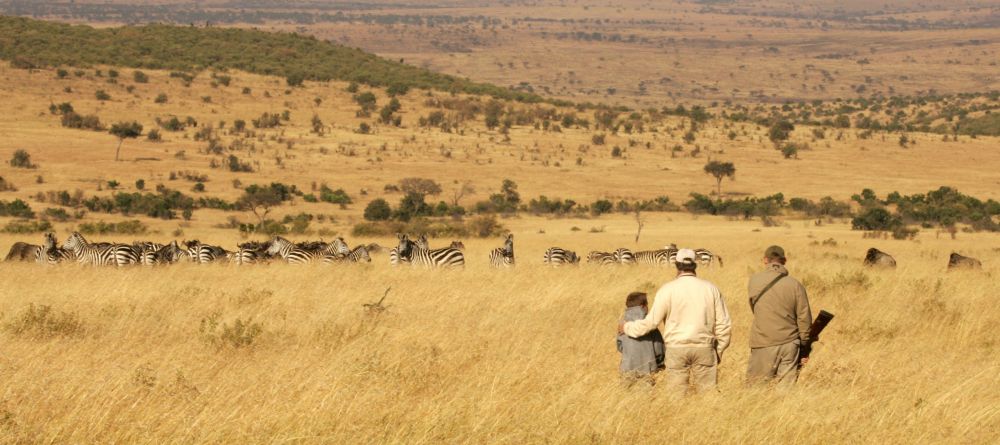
[
  {"x": 21, "y": 159},
  {"x": 378, "y": 210},
  {"x": 140, "y": 77},
  {"x": 16, "y": 208},
  {"x": 240, "y": 334},
  {"x": 102, "y": 95},
  {"x": 160, "y": 98},
  {"x": 42, "y": 322},
  {"x": 77, "y": 121},
  {"x": 27, "y": 226},
  {"x": 132, "y": 227}
]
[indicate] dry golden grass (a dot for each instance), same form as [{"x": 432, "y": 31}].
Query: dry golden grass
[
  {"x": 474, "y": 356},
  {"x": 542, "y": 163}
]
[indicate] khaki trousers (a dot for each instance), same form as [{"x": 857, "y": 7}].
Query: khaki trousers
[
  {"x": 778, "y": 364},
  {"x": 697, "y": 367}
]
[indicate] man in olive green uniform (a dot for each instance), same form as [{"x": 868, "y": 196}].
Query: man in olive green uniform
[{"x": 779, "y": 336}]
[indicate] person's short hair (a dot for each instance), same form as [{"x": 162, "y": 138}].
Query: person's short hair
[
  {"x": 636, "y": 299},
  {"x": 686, "y": 267}
]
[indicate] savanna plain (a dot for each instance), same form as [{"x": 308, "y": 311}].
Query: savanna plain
[{"x": 369, "y": 353}]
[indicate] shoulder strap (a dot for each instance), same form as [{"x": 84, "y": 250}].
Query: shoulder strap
[{"x": 754, "y": 300}]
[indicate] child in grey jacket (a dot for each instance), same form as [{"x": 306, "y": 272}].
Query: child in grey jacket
[{"x": 641, "y": 356}]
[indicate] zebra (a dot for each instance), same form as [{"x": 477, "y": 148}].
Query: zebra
[
  {"x": 100, "y": 254},
  {"x": 357, "y": 255},
  {"x": 434, "y": 258},
  {"x": 671, "y": 252},
  {"x": 22, "y": 251},
  {"x": 166, "y": 254},
  {"x": 147, "y": 252},
  {"x": 249, "y": 253},
  {"x": 395, "y": 259},
  {"x": 556, "y": 257},
  {"x": 601, "y": 258},
  {"x": 291, "y": 253},
  {"x": 705, "y": 257},
  {"x": 204, "y": 253},
  {"x": 659, "y": 257},
  {"x": 623, "y": 256},
  {"x": 50, "y": 253},
  {"x": 503, "y": 256}
]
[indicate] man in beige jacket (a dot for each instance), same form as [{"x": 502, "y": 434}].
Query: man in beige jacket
[
  {"x": 696, "y": 327},
  {"x": 779, "y": 336}
]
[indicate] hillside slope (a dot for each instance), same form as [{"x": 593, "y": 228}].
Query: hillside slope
[{"x": 34, "y": 43}]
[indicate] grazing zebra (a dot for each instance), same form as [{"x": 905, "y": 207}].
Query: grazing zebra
[
  {"x": 251, "y": 252},
  {"x": 503, "y": 256},
  {"x": 100, "y": 254},
  {"x": 556, "y": 257},
  {"x": 291, "y": 253},
  {"x": 624, "y": 256},
  {"x": 166, "y": 254},
  {"x": 418, "y": 256},
  {"x": 357, "y": 255},
  {"x": 659, "y": 257},
  {"x": 204, "y": 253},
  {"x": 21, "y": 251},
  {"x": 601, "y": 258},
  {"x": 705, "y": 257},
  {"x": 50, "y": 253}
]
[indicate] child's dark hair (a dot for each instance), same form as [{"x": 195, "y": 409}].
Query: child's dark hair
[{"x": 635, "y": 299}]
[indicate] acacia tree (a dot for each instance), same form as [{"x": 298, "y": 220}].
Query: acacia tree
[
  {"x": 720, "y": 170},
  {"x": 125, "y": 130},
  {"x": 260, "y": 199},
  {"x": 463, "y": 189}
]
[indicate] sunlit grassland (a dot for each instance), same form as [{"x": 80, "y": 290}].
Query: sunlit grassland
[{"x": 289, "y": 354}]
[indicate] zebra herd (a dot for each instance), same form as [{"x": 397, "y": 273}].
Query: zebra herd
[
  {"x": 557, "y": 256},
  {"x": 414, "y": 252},
  {"x": 77, "y": 249}
]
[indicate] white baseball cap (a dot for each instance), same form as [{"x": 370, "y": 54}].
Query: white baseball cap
[{"x": 685, "y": 256}]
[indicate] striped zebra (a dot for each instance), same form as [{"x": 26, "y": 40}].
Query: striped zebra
[
  {"x": 556, "y": 257},
  {"x": 503, "y": 256},
  {"x": 623, "y": 256},
  {"x": 100, "y": 254},
  {"x": 705, "y": 257},
  {"x": 659, "y": 257},
  {"x": 204, "y": 253},
  {"x": 291, "y": 253},
  {"x": 418, "y": 256},
  {"x": 147, "y": 252},
  {"x": 395, "y": 259},
  {"x": 251, "y": 252},
  {"x": 166, "y": 254},
  {"x": 50, "y": 253},
  {"x": 671, "y": 252},
  {"x": 357, "y": 255},
  {"x": 601, "y": 258}
]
